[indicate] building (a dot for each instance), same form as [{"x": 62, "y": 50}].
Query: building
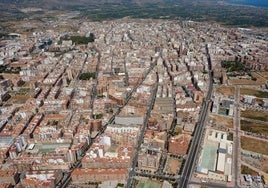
[
  {"x": 98, "y": 175},
  {"x": 128, "y": 120},
  {"x": 265, "y": 103},
  {"x": 149, "y": 162},
  {"x": 248, "y": 99},
  {"x": 220, "y": 162},
  {"x": 41, "y": 179},
  {"x": 9, "y": 176},
  {"x": 105, "y": 163}
]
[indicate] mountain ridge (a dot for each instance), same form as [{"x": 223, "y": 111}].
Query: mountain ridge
[{"x": 98, "y": 10}]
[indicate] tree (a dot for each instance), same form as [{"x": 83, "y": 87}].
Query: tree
[{"x": 87, "y": 76}]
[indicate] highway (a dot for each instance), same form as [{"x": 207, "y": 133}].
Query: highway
[{"x": 195, "y": 145}]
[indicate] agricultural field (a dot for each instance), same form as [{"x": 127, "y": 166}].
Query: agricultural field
[
  {"x": 246, "y": 170},
  {"x": 245, "y": 82},
  {"x": 254, "y": 127},
  {"x": 264, "y": 164},
  {"x": 253, "y": 92},
  {"x": 259, "y": 78},
  {"x": 254, "y": 145},
  {"x": 256, "y": 80},
  {"x": 257, "y": 115},
  {"x": 264, "y": 74}
]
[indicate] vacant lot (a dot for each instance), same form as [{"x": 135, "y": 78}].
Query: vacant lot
[
  {"x": 259, "y": 80},
  {"x": 247, "y": 170},
  {"x": 264, "y": 164},
  {"x": 254, "y": 127},
  {"x": 173, "y": 165},
  {"x": 19, "y": 98},
  {"x": 254, "y": 145},
  {"x": 257, "y": 115},
  {"x": 259, "y": 94},
  {"x": 244, "y": 82},
  {"x": 222, "y": 121},
  {"x": 264, "y": 74},
  {"x": 226, "y": 90},
  {"x": 259, "y": 77}
]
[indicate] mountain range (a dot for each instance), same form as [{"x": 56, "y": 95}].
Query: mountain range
[{"x": 222, "y": 11}]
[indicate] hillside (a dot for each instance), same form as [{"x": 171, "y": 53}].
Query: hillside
[{"x": 98, "y": 10}]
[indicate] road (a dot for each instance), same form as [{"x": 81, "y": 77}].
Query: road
[
  {"x": 67, "y": 178},
  {"x": 94, "y": 88},
  {"x": 195, "y": 145},
  {"x": 131, "y": 172},
  {"x": 236, "y": 137},
  {"x": 208, "y": 184},
  {"x": 156, "y": 176},
  {"x": 127, "y": 99},
  {"x": 67, "y": 175}
]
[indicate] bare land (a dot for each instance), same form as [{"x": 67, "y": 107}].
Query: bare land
[
  {"x": 257, "y": 115},
  {"x": 264, "y": 164},
  {"x": 256, "y": 93},
  {"x": 264, "y": 74},
  {"x": 254, "y": 127},
  {"x": 19, "y": 98},
  {"x": 246, "y": 170},
  {"x": 226, "y": 90},
  {"x": 255, "y": 145},
  {"x": 173, "y": 165},
  {"x": 259, "y": 80},
  {"x": 259, "y": 77},
  {"x": 222, "y": 121}
]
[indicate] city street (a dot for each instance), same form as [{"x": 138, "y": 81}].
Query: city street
[
  {"x": 195, "y": 145},
  {"x": 236, "y": 154},
  {"x": 131, "y": 172},
  {"x": 66, "y": 180}
]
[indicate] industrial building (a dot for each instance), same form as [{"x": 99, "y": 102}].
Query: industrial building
[{"x": 216, "y": 157}]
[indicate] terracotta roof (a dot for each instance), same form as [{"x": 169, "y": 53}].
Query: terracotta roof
[{"x": 99, "y": 171}]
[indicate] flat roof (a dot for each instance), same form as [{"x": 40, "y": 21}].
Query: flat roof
[
  {"x": 6, "y": 141},
  {"x": 221, "y": 162}
]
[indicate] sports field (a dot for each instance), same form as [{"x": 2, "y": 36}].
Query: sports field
[
  {"x": 148, "y": 184},
  {"x": 209, "y": 156}
]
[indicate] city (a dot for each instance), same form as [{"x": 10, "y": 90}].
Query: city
[{"x": 133, "y": 103}]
